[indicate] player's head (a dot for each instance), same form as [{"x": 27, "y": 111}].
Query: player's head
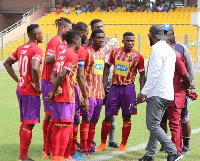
[
  {"x": 98, "y": 38},
  {"x": 168, "y": 28},
  {"x": 73, "y": 38},
  {"x": 128, "y": 41},
  {"x": 35, "y": 33},
  {"x": 170, "y": 39},
  {"x": 156, "y": 33},
  {"x": 96, "y": 23},
  {"x": 63, "y": 24},
  {"x": 83, "y": 28}
]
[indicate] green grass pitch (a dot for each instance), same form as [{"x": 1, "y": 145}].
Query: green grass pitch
[{"x": 10, "y": 122}]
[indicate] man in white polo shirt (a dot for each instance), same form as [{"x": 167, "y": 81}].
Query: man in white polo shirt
[{"x": 159, "y": 92}]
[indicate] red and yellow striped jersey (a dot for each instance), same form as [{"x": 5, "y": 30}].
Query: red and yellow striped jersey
[
  {"x": 94, "y": 66},
  {"x": 125, "y": 65}
]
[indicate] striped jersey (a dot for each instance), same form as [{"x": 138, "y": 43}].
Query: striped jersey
[
  {"x": 125, "y": 65},
  {"x": 66, "y": 59},
  {"x": 94, "y": 66}
]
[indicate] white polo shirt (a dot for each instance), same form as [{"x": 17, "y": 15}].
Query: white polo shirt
[{"x": 160, "y": 72}]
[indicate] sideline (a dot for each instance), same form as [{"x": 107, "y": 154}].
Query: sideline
[{"x": 130, "y": 149}]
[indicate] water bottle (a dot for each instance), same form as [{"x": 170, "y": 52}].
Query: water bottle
[{"x": 189, "y": 100}]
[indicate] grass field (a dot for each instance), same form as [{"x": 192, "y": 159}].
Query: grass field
[{"x": 9, "y": 127}]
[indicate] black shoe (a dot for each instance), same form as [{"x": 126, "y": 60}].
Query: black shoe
[
  {"x": 146, "y": 158},
  {"x": 27, "y": 159},
  {"x": 186, "y": 150},
  {"x": 162, "y": 150},
  {"x": 113, "y": 145},
  {"x": 175, "y": 157},
  {"x": 94, "y": 144},
  {"x": 79, "y": 148}
]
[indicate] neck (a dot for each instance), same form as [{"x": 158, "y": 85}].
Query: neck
[
  {"x": 127, "y": 50},
  {"x": 33, "y": 41},
  {"x": 95, "y": 47},
  {"x": 71, "y": 46},
  {"x": 59, "y": 35}
]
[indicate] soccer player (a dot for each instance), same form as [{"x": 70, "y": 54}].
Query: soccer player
[
  {"x": 29, "y": 57},
  {"x": 80, "y": 91},
  {"x": 94, "y": 65},
  {"x": 63, "y": 110},
  {"x": 186, "y": 127},
  {"x": 97, "y": 23},
  {"x": 181, "y": 88},
  {"x": 63, "y": 25},
  {"x": 122, "y": 94}
]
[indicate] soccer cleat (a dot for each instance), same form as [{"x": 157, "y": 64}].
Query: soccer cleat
[
  {"x": 162, "y": 150},
  {"x": 175, "y": 157},
  {"x": 45, "y": 156},
  {"x": 85, "y": 154},
  {"x": 186, "y": 150},
  {"x": 113, "y": 145},
  {"x": 27, "y": 159},
  {"x": 77, "y": 156},
  {"x": 70, "y": 159},
  {"x": 101, "y": 147},
  {"x": 121, "y": 149},
  {"x": 79, "y": 148},
  {"x": 92, "y": 151},
  {"x": 146, "y": 158},
  {"x": 94, "y": 144}
]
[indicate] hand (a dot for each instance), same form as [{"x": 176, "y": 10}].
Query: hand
[
  {"x": 36, "y": 87},
  {"x": 50, "y": 96},
  {"x": 59, "y": 91},
  {"x": 86, "y": 105},
  {"x": 104, "y": 85},
  {"x": 188, "y": 91},
  {"x": 140, "y": 98},
  {"x": 103, "y": 93},
  {"x": 193, "y": 91}
]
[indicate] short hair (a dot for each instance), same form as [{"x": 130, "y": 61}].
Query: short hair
[
  {"x": 71, "y": 35},
  {"x": 96, "y": 31},
  {"x": 128, "y": 34},
  {"x": 80, "y": 26},
  {"x": 95, "y": 21},
  {"x": 170, "y": 37},
  {"x": 31, "y": 27},
  {"x": 60, "y": 21}
]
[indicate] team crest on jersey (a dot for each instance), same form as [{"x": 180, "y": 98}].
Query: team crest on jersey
[
  {"x": 23, "y": 52},
  {"x": 61, "y": 57},
  {"x": 63, "y": 51},
  {"x": 26, "y": 46}
]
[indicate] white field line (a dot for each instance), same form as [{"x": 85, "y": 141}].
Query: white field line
[{"x": 130, "y": 149}]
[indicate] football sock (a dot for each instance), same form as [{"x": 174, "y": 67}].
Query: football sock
[
  {"x": 48, "y": 138},
  {"x": 84, "y": 128},
  {"x": 70, "y": 140},
  {"x": 105, "y": 130},
  {"x": 55, "y": 136},
  {"x": 91, "y": 134},
  {"x": 126, "y": 131},
  {"x": 44, "y": 127},
  {"x": 74, "y": 143}
]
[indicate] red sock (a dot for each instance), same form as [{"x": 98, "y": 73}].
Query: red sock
[
  {"x": 70, "y": 141},
  {"x": 105, "y": 129},
  {"x": 74, "y": 143},
  {"x": 84, "y": 128},
  {"x": 91, "y": 134},
  {"x": 26, "y": 136},
  {"x": 20, "y": 131},
  {"x": 55, "y": 136},
  {"x": 45, "y": 126},
  {"x": 48, "y": 138},
  {"x": 64, "y": 138},
  {"x": 126, "y": 131}
]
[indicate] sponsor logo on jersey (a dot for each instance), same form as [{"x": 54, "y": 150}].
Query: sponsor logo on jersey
[
  {"x": 98, "y": 66},
  {"x": 121, "y": 67},
  {"x": 26, "y": 46},
  {"x": 61, "y": 57}
]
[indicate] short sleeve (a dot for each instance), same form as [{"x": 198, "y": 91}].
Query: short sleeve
[
  {"x": 70, "y": 62},
  {"x": 52, "y": 48},
  {"x": 111, "y": 58},
  {"x": 141, "y": 67},
  {"x": 81, "y": 57},
  {"x": 38, "y": 54},
  {"x": 14, "y": 55}
]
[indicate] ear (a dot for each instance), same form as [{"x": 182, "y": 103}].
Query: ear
[
  {"x": 36, "y": 36},
  {"x": 81, "y": 33},
  {"x": 122, "y": 40}
]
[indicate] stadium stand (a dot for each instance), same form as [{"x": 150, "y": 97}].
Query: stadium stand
[{"x": 116, "y": 23}]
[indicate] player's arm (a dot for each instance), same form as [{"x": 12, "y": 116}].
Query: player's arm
[
  {"x": 57, "y": 83},
  {"x": 8, "y": 65},
  {"x": 106, "y": 73},
  {"x": 36, "y": 73},
  {"x": 53, "y": 76},
  {"x": 50, "y": 59},
  {"x": 142, "y": 80}
]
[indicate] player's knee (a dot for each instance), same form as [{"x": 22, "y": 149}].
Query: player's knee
[
  {"x": 94, "y": 120},
  {"x": 108, "y": 118},
  {"x": 185, "y": 119},
  {"x": 76, "y": 122},
  {"x": 126, "y": 117}
]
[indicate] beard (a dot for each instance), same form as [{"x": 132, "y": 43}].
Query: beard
[{"x": 151, "y": 41}]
